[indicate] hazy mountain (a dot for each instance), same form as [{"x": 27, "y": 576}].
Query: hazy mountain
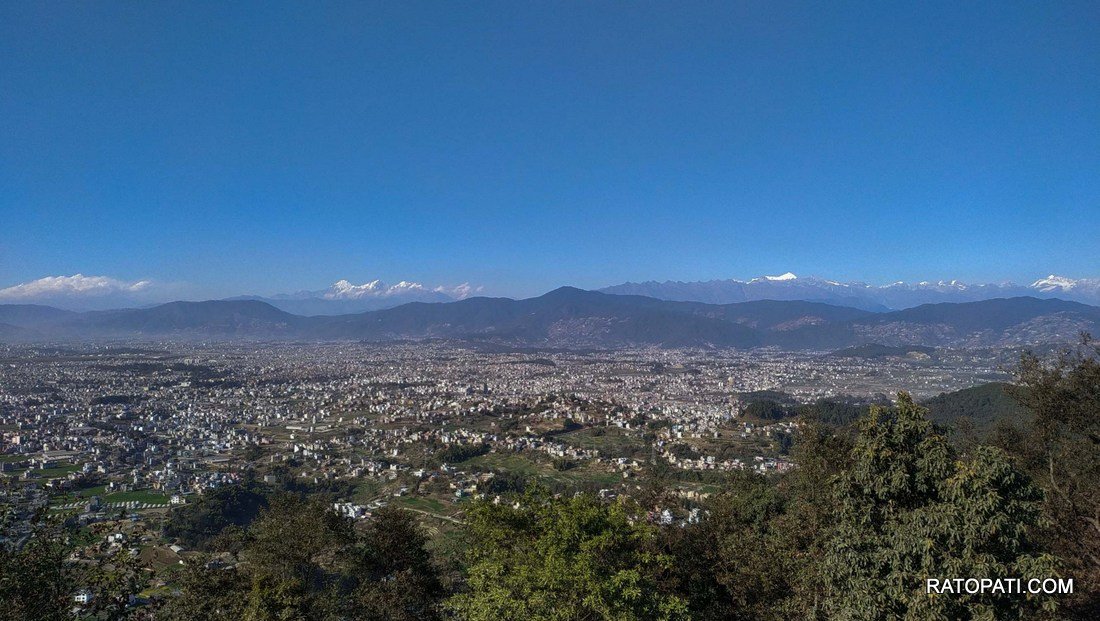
[
  {"x": 1012, "y": 321},
  {"x": 13, "y": 334},
  {"x": 569, "y": 317},
  {"x": 32, "y": 315},
  {"x": 898, "y": 295},
  {"x": 323, "y": 306},
  {"x": 563, "y": 317},
  {"x": 212, "y": 318},
  {"x": 243, "y": 318}
]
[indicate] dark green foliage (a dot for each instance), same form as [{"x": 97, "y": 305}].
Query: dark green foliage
[
  {"x": 732, "y": 564},
  {"x": 1062, "y": 452},
  {"x": 458, "y": 453},
  {"x": 810, "y": 514},
  {"x": 303, "y": 561},
  {"x": 562, "y": 464},
  {"x": 769, "y": 411},
  {"x": 506, "y": 483},
  {"x": 767, "y": 395},
  {"x": 213, "y": 520},
  {"x": 985, "y": 407},
  {"x": 908, "y": 510},
  {"x": 836, "y": 412},
  {"x": 207, "y": 592},
  {"x": 196, "y": 524},
  {"x": 113, "y": 580},
  {"x": 550, "y": 559},
  {"x": 295, "y": 555},
  {"x": 396, "y": 577},
  {"x": 784, "y": 441},
  {"x": 35, "y": 582}
]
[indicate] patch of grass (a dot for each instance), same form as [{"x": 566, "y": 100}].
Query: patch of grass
[
  {"x": 431, "y": 505},
  {"x": 54, "y": 473},
  {"x": 609, "y": 441},
  {"x": 147, "y": 496},
  {"x": 367, "y": 490},
  {"x": 509, "y": 462},
  {"x": 524, "y": 465},
  {"x": 88, "y": 492}
]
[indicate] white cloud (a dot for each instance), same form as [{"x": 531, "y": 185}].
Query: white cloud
[
  {"x": 460, "y": 292},
  {"x": 75, "y": 286}
]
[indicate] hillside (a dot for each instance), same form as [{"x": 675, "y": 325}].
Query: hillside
[{"x": 986, "y": 406}]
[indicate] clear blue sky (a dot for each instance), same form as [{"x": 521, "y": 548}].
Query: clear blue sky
[{"x": 264, "y": 147}]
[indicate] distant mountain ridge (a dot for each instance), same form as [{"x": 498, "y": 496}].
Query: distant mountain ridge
[
  {"x": 569, "y": 317},
  {"x": 898, "y": 295}
]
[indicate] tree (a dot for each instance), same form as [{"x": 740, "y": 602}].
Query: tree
[
  {"x": 300, "y": 560},
  {"x": 1062, "y": 453},
  {"x": 730, "y": 565},
  {"x": 908, "y": 511},
  {"x": 207, "y": 592},
  {"x": 397, "y": 580},
  {"x": 197, "y": 525},
  {"x": 296, "y": 556},
  {"x": 549, "y": 559},
  {"x": 35, "y": 583},
  {"x": 112, "y": 581},
  {"x": 810, "y": 511}
]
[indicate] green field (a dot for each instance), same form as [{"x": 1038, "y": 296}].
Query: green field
[
  {"x": 147, "y": 496},
  {"x": 523, "y": 465},
  {"x": 57, "y": 472},
  {"x": 431, "y": 505},
  {"x": 509, "y": 462},
  {"x": 610, "y": 441},
  {"x": 88, "y": 492}
]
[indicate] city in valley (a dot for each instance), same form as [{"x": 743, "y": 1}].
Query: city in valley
[
  {"x": 549, "y": 311},
  {"x": 113, "y": 435}
]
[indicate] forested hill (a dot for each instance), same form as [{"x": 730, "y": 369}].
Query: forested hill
[{"x": 986, "y": 406}]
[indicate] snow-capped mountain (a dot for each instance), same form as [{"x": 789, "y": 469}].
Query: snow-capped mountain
[
  {"x": 343, "y": 297},
  {"x": 896, "y": 295},
  {"x": 781, "y": 278},
  {"x": 1062, "y": 285}
]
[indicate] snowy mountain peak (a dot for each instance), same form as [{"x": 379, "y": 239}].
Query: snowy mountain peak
[
  {"x": 787, "y": 276},
  {"x": 345, "y": 290},
  {"x": 1054, "y": 283}
]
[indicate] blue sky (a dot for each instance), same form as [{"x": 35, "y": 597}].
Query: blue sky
[{"x": 265, "y": 147}]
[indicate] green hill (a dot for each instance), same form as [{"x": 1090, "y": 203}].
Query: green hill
[{"x": 986, "y": 406}]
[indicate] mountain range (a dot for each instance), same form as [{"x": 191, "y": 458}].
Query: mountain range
[
  {"x": 569, "y": 317},
  {"x": 899, "y": 295}
]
